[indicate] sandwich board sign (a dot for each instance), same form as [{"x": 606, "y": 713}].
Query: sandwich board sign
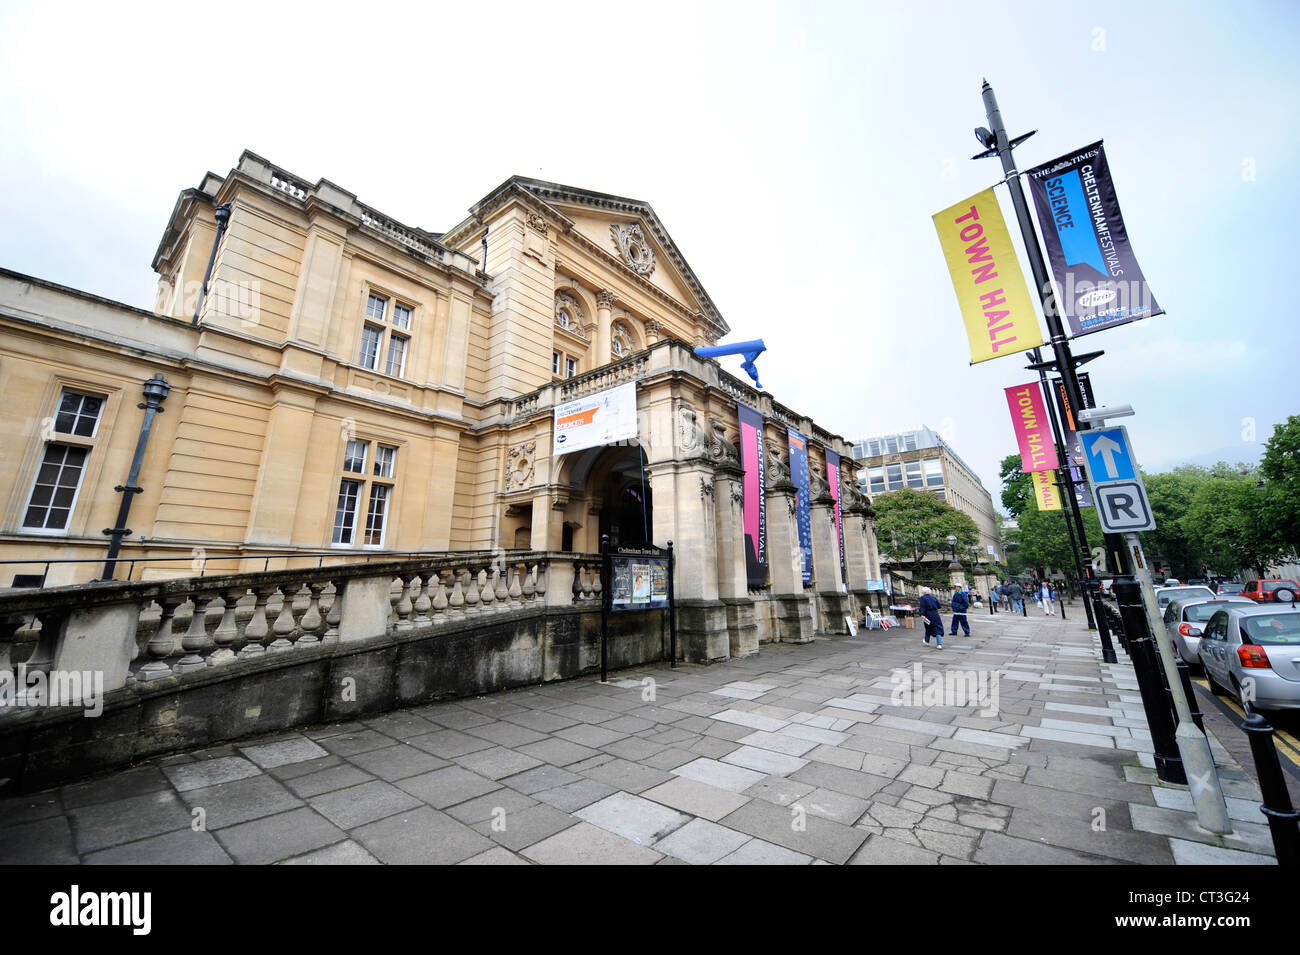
[{"x": 1120, "y": 495}]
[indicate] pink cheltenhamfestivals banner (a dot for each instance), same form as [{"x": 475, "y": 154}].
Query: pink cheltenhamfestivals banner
[
  {"x": 833, "y": 479},
  {"x": 1033, "y": 428},
  {"x": 753, "y": 455}
]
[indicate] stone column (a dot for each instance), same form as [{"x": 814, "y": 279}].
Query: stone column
[
  {"x": 733, "y": 582},
  {"x": 684, "y": 513},
  {"x": 547, "y": 525},
  {"x": 827, "y": 578},
  {"x": 793, "y": 607},
  {"x": 604, "y": 303},
  {"x": 857, "y": 556}
]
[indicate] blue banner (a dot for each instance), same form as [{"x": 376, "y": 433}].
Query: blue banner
[{"x": 799, "y": 477}]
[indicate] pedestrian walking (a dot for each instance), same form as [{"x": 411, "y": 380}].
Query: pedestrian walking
[
  {"x": 994, "y": 595},
  {"x": 1049, "y": 599},
  {"x": 1017, "y": 595},
  {"x": 960, "y": 604},
  {"x": 933, "y": 622}
]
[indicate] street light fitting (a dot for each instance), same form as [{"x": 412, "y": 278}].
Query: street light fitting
[{"x": 1101, "y": 414}]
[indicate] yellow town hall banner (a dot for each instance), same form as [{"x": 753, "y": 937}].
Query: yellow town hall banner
[{"x": 995, "y": 304}]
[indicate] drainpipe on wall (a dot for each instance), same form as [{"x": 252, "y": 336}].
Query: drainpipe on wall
[
  {"x": 222, "y": 213},
  {"x": 155, "y": 393}
]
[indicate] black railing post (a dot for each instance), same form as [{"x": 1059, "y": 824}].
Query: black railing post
[
  {"x": 604, "y": 607},
  {"x": 1155, "y": 698},
  {"x": 672, "y": 610},
  {"x": 1283, "y": 820}
]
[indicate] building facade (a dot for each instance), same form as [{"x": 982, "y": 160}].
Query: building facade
[
  {"x": 347, "y": 385},
  {"x": 921, "y": 459}
]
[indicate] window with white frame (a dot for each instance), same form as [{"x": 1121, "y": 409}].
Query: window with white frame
[
  {"x": 63, "y": 462},
  {"x": 555, "y": 363},
  {"x": 933, "y": 472},
  {"x": 877, "y": 476},
  {"x": 895, "y": 472},
  {"x": 913, "y": 469},
  {"x": 570, "y": 367},
  {"x": 383, "y": 346},
  {"x": 371, "y": 488}
]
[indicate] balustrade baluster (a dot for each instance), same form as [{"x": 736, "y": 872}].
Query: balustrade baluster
[
  {"x": 471, "y": 592},
  {"x": 312, "y": 622},
  {"x": 196, "y": 641},
  {"x": 258, "y": 627},
  {"x": 227, "y": 631},
  {"x": 335, "y": 613},
  {"x": 577, "y": 582},
  {"x": 404, "y": 606},
  {"x": 503, "y": 588},
  {"x": 285, "y": 624},
  {"x": 163, "y": 643},
  {"x": 517, "y": 593},
  {"x": 440, "y": 602},
  {"x": 422, "y": 601},
  {"x": 457, "y": 601},
  {"x": 488, "y": 595},
  {"x": 539, "y": 582}
]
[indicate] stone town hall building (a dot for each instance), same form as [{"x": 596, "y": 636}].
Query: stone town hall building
[{"x": 354, "y": 385}]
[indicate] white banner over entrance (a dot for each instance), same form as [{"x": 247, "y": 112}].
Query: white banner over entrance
[{"x": 595, "y": 420}]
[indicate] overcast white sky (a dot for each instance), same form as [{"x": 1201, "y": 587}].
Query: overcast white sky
[{"x": 794, "y": 150}]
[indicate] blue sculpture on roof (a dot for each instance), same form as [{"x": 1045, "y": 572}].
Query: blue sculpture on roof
[{"x": 751, "y": 350}]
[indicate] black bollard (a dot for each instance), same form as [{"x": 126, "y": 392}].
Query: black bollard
[
  {"x": 1185, "y": 677},
  {"x": 1146, "y": 665},
  {"x": 1283, "y": 820}
]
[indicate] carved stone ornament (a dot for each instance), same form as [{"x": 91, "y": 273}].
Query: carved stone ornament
[
  {"x": 633, "y": 247},
  {"x": 568, "y": 313},
  {"x": 692, "y": 439},
  {"x": 537, "y": 222},
  {"x": 519, "y": 465},
  {"x": 737, "y": 495},
  {"x": 817, "y": 485},
  {"x": 605, "y": 298},
  {"x": 620, "y": 342},
  {"x": 777, "y": 467},
  {"x": 706, "y": 488},
  {"x": 721, "y": 450}
]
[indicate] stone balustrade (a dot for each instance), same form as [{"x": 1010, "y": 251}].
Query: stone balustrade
[{"x": 136, "y": 633}]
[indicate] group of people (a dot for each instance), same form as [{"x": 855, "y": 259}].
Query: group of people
[{"x": 1012, "y": 594}]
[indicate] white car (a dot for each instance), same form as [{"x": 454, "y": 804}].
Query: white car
[{"x": 1166, "y": 594}]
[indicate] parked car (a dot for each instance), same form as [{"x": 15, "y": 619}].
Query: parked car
[
  {"x": 1185, "y": 620},
  {"x": 1254, "y": 653},
  {"x": 1267, "y": 591},
  {"x": 1230, "y": 587},
  {"x": 1197, "y": 582},
  {"x": 1179, "y": 592}
]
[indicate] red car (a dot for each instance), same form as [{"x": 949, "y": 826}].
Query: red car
[{"x": 1267, "y": 591}]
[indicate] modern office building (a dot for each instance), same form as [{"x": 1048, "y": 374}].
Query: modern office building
[{"x": 923, "y": 460}]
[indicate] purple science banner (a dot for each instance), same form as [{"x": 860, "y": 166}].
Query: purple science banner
[
  {"x": 753, "y": 455},
  {"x": 1099, "y": 282}
]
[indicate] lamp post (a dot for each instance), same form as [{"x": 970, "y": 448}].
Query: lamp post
[{"x": 156, "y": 390}]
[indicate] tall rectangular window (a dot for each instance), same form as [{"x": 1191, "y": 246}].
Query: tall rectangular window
[
  {"x": 570, "y": 367},
  {"x": 555, "y": 363},
  {"x": 56, "y": 487},
  {"x": 877, "y": 476},
  {"x": 371, "y": 338},
  {"x": 914, "y": 474},
  {"x": 377, "y": 332},
  {"x": 371, "y": 487},
  {"x": 895, "y": 472},
  {"x": 63, "y": 463},
  {"x": 396, "y": 356},
  {"x": 933, "y": 473},
  {"x": 375, "y": 515},
  {"x": 345, "y": 514}
]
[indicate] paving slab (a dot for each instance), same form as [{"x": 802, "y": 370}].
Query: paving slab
[
  {"x": 642, "y": 821},
  {"x": 585, "y": 844}
]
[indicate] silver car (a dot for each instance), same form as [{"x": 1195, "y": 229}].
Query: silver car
[
  {"x": 1185, "y": 619},
  {"x": 1254, "y": 653},
  {"x": 1166, "y": 594}
]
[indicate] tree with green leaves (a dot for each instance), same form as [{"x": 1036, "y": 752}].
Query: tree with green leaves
[
  {"x": 912, "y": 529},
  {"x": 1043, "y": 538},
  {"x": 1280, "y": 495},
  {"x": 1171, "y": 496},
  {"x": 1227, "y": 520}
]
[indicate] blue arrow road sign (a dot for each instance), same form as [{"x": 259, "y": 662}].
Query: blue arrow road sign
[{"x": 1108, "y": 455}]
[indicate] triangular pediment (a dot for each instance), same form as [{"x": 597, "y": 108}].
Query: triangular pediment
[{"x": 628, "y": 233}]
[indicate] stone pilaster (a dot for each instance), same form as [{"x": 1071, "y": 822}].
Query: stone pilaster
[
  {"x": 827, "y": 578},
  {"x": 733, "y": 583},
  {"x": 792, "y": 606},
  {"x": 684, "y": 512},
  {"x": 604, "y": 305}
]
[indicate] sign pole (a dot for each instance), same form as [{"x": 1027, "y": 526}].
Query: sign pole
[
  {"x": 672, "y": 611},
  {"x": 1060, "y": 344},
  {"x": 604, "y": 607},
  {"x": 1198, "y": 761}
]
